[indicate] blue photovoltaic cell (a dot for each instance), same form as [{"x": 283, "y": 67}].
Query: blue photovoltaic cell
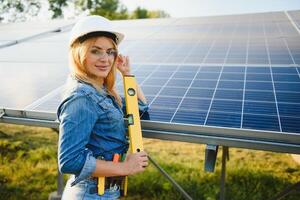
[
  {"x": 188, "y": 68},
  {"x": 159, "y": 114},
  {"x": 210, "y": 69},
  {"x": 151, "y": 90},
  {"x": 234, "y": 69},
  {"x": 288, "y": 97},
  {"x": 224, "y": 119},
  {"x": 259, "y": 96},
  {"x": 142, "y": 73},
  {"x": 231, "y": 76},
  {"x": 168, "y": 68},
  {"x": 162, "y": 74},
  {"x": 155, "y": 82},
  {"x": 251, "y": 85},
  {"x": 138, "y": 79},
  {"x": 195, "y": 104},
  {"x": 146, "y": 67},
  {"x": 226, "y": 106},
  {"x": 291, "y": 110},
  {"x": 200, "y": 93},
  {"x": 166, "y": 102},
  {"x": 188, "y": 117},
  {"x": 290, "y": 124},
  {"x": 284, "y": 70},
  {"x": 286, "y": 77},
  {"x": 258, "y": 77},
  {"x": 170, "y": 91},
  {"x": 277, "y": 59},
  {"x": 260, "y": 122},
  {"x": 253, "y": 60},
  {"x": 231, "y": 85},
  {"x": 266, "y": 108},
  {"x": 206, "y": 75},
  {"x": 186, "y": 75},
  {"x": 229, "y": 94},
  {"x": 204, "y": 83},
  {"x": 179, "y": 82},
  {"x": 293, "y": 87},
  {"x": 265, "y": 70}
]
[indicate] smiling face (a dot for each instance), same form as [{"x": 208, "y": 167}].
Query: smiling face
[{"x": 100, "y": 58}]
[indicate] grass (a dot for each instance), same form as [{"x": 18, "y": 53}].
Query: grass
[{"x": 28, "y": 169}]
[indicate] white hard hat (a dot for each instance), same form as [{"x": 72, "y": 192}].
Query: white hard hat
[{"x": 94, "y": 25}]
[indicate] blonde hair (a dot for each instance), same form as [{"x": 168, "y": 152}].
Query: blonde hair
[{"x": 77, "y": 62}]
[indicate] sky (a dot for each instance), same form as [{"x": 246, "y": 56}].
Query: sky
[{"x": 193, "y": 8}]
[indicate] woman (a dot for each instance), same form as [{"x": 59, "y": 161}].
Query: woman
[{"x": 91, "y": 119}]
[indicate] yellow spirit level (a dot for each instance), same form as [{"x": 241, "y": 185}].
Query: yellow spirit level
[
  {"x": 133, "y": 117},
  {"x": 134, "y": 127}
]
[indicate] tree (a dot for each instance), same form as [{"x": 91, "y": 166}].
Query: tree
[
  {"x": 56, "y": 7},
  {"x": 18, "y": 10},
  {"x": 140, "y": 13},
  {"x": 157, "y": 14},
  {"x": 111, "y": 9},
  {"x": 21, "y": 10}
]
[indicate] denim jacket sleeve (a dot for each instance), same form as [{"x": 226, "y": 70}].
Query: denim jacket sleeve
[{"x": 77, "y": 117}]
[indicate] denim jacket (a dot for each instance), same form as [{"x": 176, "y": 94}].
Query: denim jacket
[{"x": 91, "y": 125}]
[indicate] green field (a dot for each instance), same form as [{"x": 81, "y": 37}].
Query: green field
[{"x": 28, "y": 169}]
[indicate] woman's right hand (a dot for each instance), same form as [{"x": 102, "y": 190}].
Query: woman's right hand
[{"x": 136, "y": 162}]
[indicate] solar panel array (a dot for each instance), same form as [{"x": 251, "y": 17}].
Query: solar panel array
[
  {"x": 261, "y": 98},
  {"x": 238, "y": 71}
]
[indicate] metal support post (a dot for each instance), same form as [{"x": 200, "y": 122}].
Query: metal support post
[
  {"x": 60, "y": 182},
  {"x": 211, "y": 152},
  {"x": 225, "y": 155},
  {"x": 60, "y": 187},
  {"x": 2, "y": 113}
]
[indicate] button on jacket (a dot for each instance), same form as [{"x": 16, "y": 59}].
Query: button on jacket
[{"x": 91, "y": 125}]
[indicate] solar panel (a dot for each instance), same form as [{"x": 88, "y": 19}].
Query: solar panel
[
  {"x": 238, "y": 72},
  {"x": 295, "y": 15},
  {"x": 250, "y": 97},
  {"x": 17, "y": 31},
  {"x": 25, "y": 83}
]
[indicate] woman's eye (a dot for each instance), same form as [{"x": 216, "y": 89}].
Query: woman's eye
[
  {"x": 95, "y": 51},
  {"x": 111, "y": 52}
]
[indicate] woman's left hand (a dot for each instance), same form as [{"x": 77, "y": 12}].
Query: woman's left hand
[{"x": 123, "y": 64}]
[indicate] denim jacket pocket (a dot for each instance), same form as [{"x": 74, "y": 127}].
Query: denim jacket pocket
[{"x": 111, "y": 113}]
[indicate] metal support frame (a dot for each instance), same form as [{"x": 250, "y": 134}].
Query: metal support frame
[
  {"x": 225, "y": 156},
  {"x": 60, "y": 187},
  {"x": 211, "y": 152},
  {"x": 231, "y": 137},
  {"x": 287, "y": 191},
  {"x": 170, "y": 179},
  {"x": 2, "y": 113},
  {"x": 60, "y": 182}
]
